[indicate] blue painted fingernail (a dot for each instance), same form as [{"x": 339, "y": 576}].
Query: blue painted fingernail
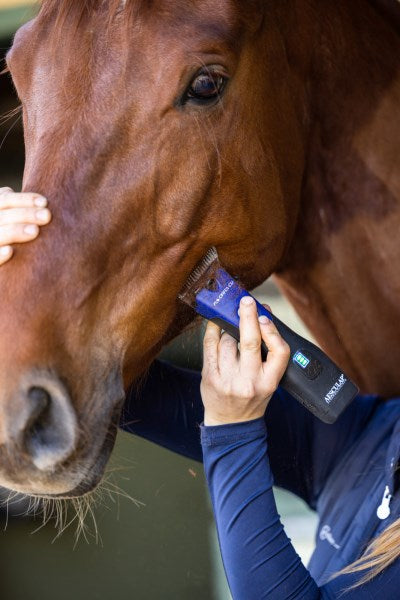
[
  {"x": 31, "y": 229},
  {"x": 5, "y": 250},
  {"x": 247, "y": 300},
  {"x": 43, "y": 215},
  {"x": 40, "y": 201}
]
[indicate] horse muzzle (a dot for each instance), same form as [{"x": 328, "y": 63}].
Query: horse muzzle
[
  {"x": 41, "y": 424},
  {"x": 43, "y": 449}
]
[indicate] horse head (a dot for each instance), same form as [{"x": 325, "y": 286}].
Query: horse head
[{"x": 155, "y": 130}]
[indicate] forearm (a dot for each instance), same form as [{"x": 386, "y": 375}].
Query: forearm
[
  {"x": 259, "y": 559},
  {"x": 166, "y": 408}
]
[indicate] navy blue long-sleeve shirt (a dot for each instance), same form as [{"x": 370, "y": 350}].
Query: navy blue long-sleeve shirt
[{"x": 341, "y": 470}]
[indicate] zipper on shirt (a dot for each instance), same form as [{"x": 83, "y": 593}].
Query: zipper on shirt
[{"x": 383, "y": 510}]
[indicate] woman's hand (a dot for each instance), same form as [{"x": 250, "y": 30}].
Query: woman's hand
[
  {"x": 237, "y": 386},
  {"x": 20, "y": 218}
]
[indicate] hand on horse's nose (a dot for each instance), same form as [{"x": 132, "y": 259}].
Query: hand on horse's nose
[
  {"x": 21, "y": 215},
  {"x": 44, "y": 429}
]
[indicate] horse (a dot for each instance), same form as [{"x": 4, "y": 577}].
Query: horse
[{"x": 158, "y": 130}]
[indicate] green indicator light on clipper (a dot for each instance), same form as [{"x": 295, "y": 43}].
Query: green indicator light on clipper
[
  {"x": 311, "y": 376},
  {"x": 301, "y": 360}
]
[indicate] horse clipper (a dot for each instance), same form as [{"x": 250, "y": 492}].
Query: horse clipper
[{"x": 311, "y": 377}]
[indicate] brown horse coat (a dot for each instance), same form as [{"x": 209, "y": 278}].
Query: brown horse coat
[{"x": 157, "y": 130}]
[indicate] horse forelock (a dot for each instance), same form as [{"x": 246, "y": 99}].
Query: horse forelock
[{"x": 77, "y": 11}]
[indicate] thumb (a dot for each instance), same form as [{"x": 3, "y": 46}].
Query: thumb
[{"x": 278, "y": 352}]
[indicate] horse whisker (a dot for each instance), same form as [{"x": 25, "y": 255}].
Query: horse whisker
[
  {"x": 9, "y": 130},
  {"x": 9, "y": 114}
]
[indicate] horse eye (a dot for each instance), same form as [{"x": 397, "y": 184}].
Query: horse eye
[{"x": 205, "y": 87}]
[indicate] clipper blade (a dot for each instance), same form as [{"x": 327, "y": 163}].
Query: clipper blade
[{"x": 201, "y": 276}]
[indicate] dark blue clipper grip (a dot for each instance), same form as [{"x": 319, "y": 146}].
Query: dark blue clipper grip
[{"x": 311, "y": 377}]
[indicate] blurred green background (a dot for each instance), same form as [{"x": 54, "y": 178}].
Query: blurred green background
[{"x": 165, "y": 548}]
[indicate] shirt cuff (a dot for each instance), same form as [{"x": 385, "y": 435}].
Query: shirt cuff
[{"x": 215, "y": 435}]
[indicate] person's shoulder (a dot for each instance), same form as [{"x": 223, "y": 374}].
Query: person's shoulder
[
  {"x": 383, "y": 410},
  {"x": 387, "y": 405}
]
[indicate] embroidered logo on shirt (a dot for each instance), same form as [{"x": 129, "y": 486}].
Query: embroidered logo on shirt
[{"x": 325, "y": 534}]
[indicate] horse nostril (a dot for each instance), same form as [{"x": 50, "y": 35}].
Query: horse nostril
[
  {"x": 40, "y": 401},
  {"x": 47, "y": 428},
  {"x": 39, "y": 395}
]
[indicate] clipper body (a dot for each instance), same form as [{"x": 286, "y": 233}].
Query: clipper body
[{"x": 311, "y": 376}]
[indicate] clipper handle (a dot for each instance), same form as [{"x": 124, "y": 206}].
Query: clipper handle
[{"x": 311, "y": 376}]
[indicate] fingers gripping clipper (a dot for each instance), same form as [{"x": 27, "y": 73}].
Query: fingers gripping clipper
[{"x": 311, "y": 376}]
